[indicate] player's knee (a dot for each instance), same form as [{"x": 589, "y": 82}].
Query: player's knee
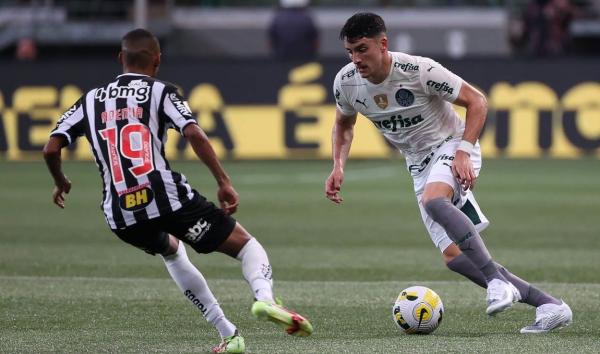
[
  {"x": 451, "y": 252},
  {"x": 435, "y": 206},
  {"x": 233, "y": 244},
  {"x": 172, "y": 246}
]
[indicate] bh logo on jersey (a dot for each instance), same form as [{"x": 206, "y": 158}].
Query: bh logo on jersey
[
  {"x": 196, "y": 232},
  {"x": 135, "y": 198}
]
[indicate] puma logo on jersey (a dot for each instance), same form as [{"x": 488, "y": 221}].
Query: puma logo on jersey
[
  {"x": 363, "y": 102},
  {"x": 440, "y": 87},
  {"x": 396, "y": 122},
  {"x": 196, "y": 232}
]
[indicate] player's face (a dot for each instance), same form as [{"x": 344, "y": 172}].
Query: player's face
[{"x": 368, "y": 55}]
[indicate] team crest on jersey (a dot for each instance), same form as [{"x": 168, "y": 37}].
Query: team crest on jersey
[
  {"x": 135, "y": 198},
  {"x": 404, "y": 97},
  {"x": 381, "y": 100}
]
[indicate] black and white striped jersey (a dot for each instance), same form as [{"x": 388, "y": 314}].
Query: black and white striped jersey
[{"x": 125, "y": 123}]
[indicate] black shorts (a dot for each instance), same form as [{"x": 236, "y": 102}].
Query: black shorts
[{"x": 199, "y": 223}]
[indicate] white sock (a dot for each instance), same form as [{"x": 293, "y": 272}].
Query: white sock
[
  {"x": 194, "y": 287},
  {"x": 257, "y": 270}
]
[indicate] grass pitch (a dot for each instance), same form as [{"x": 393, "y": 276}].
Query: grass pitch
[{"x": 68, "y": 285}]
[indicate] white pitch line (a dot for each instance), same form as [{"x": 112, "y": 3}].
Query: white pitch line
[{"x": 319, "y": 283}]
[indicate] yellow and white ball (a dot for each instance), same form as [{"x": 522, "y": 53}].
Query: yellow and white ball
[{"x": 418, "y": 310}]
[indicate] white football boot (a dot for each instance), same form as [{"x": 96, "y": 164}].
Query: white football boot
[
  {"x": 549, "y": 317},
  {"x": 500, "y": 296}
]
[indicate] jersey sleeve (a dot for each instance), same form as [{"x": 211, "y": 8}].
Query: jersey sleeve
[
  {"x": 72, "y": 122},
  {"x": 176, "y": 110},
  {"x": 436, "y": 80},
  {"x": 341, "y": 100}
]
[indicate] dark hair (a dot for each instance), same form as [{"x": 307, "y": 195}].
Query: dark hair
[
  {"x": 138, "y": 46},
  {"x": 362, "y": 24},
  {"x": 137, "y": 35}
]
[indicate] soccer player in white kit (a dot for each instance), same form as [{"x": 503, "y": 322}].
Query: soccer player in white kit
[{"x": 408, "y": 98}]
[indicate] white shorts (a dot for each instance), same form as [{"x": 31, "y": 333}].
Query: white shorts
[{"x": 438, "y": 169}]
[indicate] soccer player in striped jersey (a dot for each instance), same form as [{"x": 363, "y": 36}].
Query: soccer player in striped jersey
[
  {"x": 408, "y": 98},
  {"x": 152, "y": 207}
]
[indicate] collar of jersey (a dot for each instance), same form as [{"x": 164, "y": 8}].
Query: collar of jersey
[
  {"x": 134, "y": 74},
  {"x": 369, "y": 83}
]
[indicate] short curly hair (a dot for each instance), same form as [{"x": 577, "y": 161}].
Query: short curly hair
[{"x": 362, "y": 24}]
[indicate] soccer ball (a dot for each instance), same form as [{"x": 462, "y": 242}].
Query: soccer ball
[{"x": 418, "y": 310}]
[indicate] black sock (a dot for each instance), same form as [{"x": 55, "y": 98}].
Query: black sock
[
  {"x": 463, "y": 266},
  {"x": 529, "y": 294},
  {"x": 461, "y": 230}
]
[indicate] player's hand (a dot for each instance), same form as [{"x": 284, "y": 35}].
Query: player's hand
[
  {"x": 333, "y": 184},
  {"x": 228, "y": 198},
  {"x": 462, "y": 168},
  {"x": 61, "y": 187}
]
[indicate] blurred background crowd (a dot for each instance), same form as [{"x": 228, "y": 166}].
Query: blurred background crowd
[{"x": 300, "y": 30}]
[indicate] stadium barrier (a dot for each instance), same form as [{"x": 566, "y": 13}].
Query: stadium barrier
[{"x": 265, "y": 110}]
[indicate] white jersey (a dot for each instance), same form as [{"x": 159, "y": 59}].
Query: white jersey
[{"x": 411, "y": 107}]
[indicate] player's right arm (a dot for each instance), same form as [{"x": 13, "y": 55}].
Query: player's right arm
[
  {"x": 53, "y": 159},
  {"x": 341, "y": 139},
  {"x": 70, "y": 126}
]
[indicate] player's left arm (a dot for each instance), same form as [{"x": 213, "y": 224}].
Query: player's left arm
[
  {"x": 52, "y": 155},
  {"x": 476, "y": 105},
  {"x": 179, "y": 115},
  {"x": 228, "y": 197}
]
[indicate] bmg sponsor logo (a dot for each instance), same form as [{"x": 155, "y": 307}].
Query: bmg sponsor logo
[{"x": 137, "y": 89}]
